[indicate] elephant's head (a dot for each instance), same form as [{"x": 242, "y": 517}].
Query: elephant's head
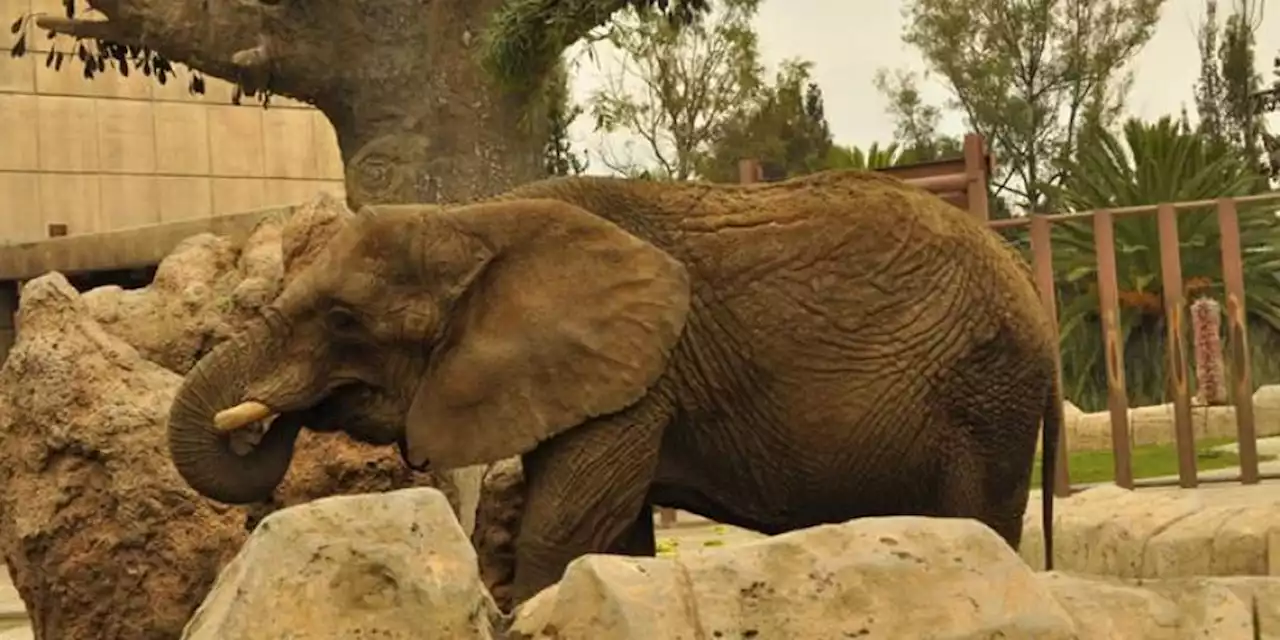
[{"x": 465, "y": 335}]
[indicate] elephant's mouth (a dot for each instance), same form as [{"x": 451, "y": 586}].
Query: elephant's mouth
[{"x": 364, "y": 412}]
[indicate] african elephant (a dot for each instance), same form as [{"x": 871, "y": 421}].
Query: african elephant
[{"x": 770, "y": 356}]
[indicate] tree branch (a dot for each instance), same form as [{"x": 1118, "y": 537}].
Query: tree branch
[
  {"x": 527, "y": 37},
  {"x": 87, "y": 29}
]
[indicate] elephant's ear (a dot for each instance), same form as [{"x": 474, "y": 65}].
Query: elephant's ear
[{"x": 570, "y": 318}]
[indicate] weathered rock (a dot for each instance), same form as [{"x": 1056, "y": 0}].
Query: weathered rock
[
  {"x": 102, "y": 537},
  {"x": 1263, "y": 594},
  {"x": 497, "y": 521},
  {"x": 1152, "y": 533},
  {"x": 1110, "y": 608},
  {"x": 187, "y": 308},
  {"x": 902, "y": 577},
  {"x": 395, "y": 565}
]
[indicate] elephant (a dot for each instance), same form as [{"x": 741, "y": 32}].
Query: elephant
[{"x": 771, "y": 356}]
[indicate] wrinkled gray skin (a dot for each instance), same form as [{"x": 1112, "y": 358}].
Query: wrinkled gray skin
[{"x": 770, "y": 356}]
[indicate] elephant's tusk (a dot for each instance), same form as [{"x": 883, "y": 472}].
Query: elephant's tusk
[{"x": 241, "y": 415}]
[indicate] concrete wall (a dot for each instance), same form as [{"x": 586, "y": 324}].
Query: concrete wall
[{"x": 112, "y": 152}]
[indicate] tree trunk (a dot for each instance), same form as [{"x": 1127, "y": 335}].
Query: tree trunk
[
  {"x": 417, "y": 116},
  {"x": 440, "y": 130}
]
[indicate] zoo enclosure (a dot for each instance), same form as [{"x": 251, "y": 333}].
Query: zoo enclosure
[
  {"x": 963, "y": 181},
  {"x": 1175, "y": 314}
]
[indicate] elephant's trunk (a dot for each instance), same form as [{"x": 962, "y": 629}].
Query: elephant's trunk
[{"x": 201, "y": 452}]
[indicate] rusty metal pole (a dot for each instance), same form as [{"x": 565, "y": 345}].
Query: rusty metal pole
[
  {"x": 1175, "y": 320},
  {"x": 975, "y": 169},
  {"x": 1042, "y": 263},
  {"x": 1238, "y": 340},
  {"x": 1109, "y": 306}
]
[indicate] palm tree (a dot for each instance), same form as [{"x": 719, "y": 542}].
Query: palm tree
[
  {"x": 875, "y": 157},
  {"x": 1154, "y": 163}
]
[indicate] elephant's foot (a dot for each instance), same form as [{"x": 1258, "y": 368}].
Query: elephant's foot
[{"x": 498, "y": 516}]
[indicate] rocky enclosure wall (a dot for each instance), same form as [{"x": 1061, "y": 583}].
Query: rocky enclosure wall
[
  {"x": 904, "y": 577},
  {"x": 101, "y": 536}
]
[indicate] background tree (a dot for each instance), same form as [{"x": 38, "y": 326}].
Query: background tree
[
  {"x": 1029, "y": 74},
  {"x": 915, "y": 123},
  {"x": 431, "y": 102},
  {"x": 677, "y": 86},
  {"x": 1149, "y": 163},
  {"x": 559, "y": 157},
  {"x": 784, "y": 126},
  {"x": 1230, "y": 97},
  {"x": 873, "y": 158},
  {"x": 1268, "y": 101}
]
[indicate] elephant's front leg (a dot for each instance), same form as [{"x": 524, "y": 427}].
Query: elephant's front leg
[{"x": 586, "y": 491}]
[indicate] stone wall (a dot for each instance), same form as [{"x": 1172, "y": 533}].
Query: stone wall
[
  {"x": 1155, "y": 424},
  {"x": 114, "y": 152}
]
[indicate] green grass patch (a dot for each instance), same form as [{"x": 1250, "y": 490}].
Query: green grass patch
[{"x": 1149, "y": 461}]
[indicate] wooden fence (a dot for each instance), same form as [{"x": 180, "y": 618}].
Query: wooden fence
[{"x": 1175, "y": 313}]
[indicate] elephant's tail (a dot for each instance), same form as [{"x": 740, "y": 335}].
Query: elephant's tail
[{"x": 1052, "y": 421}]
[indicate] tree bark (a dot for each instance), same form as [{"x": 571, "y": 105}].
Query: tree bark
[{"x": 418, "y": 118}]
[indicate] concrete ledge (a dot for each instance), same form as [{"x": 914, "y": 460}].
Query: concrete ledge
[
  {"x": 1231, "y": 530},
  {"x": 13, "y": 613},
  {"x": 1154, "y": 425},
  {"x": 123, "y": 249}
]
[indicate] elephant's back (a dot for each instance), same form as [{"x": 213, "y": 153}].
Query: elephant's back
[{"x": 836, "y": 251}]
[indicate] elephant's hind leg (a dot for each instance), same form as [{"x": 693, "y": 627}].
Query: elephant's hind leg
[
  {"x": 639, "y": 539},
  {"x": 586, "y": 491},
  {"x": 979, "y": 485}
]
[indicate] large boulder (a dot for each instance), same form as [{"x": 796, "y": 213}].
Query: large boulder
[
  {"x": 898, "y": 577},
  {"x": 1159, "y": 533},
  {"x": 102, "y": 537},
  {"x": 904, "y": 577},
  {"x": 395, "y": 565}
]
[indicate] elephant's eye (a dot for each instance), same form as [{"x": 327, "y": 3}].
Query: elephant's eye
[{"x": 341, "y": 320}]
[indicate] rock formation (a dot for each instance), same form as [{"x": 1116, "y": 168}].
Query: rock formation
[
  {"x": 497, "y": 520},
  {"x": 103, "y": 539},
  {"x": 900, "y": 577},
  {"x": 1160, "y": 533},
  {"x": 395, "y": 565}
]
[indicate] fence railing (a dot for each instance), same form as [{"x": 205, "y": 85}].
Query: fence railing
[{"x": 1175, "y": 313}]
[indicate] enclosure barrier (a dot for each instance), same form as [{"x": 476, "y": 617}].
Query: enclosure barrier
[
  {"x": 1175, "y": 308},
  {"x": 961, "y": 181}
]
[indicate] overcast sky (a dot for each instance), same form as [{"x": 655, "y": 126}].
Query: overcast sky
[{"x": 848, "y": 41}]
